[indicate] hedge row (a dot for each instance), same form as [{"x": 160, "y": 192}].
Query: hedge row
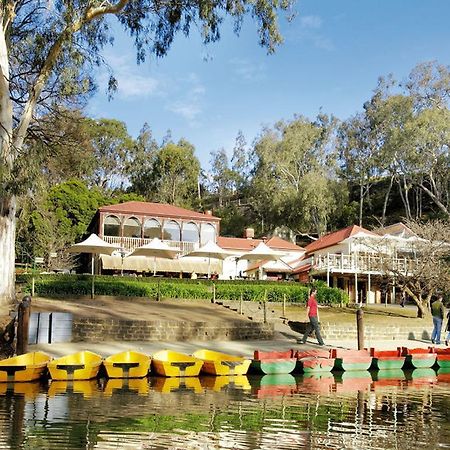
[{"x": 66, "y": 285}]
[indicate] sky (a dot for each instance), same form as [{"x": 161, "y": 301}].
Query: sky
[{"x": 330, "y": 61}]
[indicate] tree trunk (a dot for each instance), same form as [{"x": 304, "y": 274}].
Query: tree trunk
[
  {"x": 386, "y": 199},
  {"x": 7, "y": 250}
]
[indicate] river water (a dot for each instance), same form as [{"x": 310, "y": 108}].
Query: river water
[{"x": 352, "y": 410}]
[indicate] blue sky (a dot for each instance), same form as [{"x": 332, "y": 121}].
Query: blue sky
[{"x": 333, "y": 54}]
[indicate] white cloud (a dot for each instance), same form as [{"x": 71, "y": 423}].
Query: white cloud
[
  {"x": 247, "y": 70},
  {"x": 314, "y": 22},
  {"x": 131, "y": 80},
  {"x": 189, "y": 103}
]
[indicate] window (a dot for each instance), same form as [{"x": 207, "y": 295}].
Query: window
[
  {"x": 132, "y": 228},
  {"x": 208, "y": 233},
  {"x": 190, "y": 232},
  {"x": 111, "y": 226},
  {"x": 171, "y": 231},
  {"x": 152, "y": 229}
]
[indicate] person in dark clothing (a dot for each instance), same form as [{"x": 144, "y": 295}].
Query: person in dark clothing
[
  {"x": 438, "y": 312},
  {"x": 312, "y": 313}
]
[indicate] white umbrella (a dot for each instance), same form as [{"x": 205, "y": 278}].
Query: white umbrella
[
  {"x": 94, "y": 245},
  {"x": 262, "y": 252},
  {"x": 211, "y": 250},
  {"x": 157, "y": 249}
]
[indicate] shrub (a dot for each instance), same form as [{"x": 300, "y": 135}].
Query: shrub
[{"x": 59, "y": 285}]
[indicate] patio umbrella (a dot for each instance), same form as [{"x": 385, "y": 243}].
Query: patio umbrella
[
  {"x": 95, "y": 246},
  {"x": 262, "y": 252},
  {"x": 157, "y": 249},
  {"x": 211, "y": 250}
]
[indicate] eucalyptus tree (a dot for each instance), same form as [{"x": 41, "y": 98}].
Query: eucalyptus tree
[
  {"x": 222, "y": 177},
  {"x": 112, "y": 151},
  {"x": 47, "y": 51},
  {"x": 294, "y": 163},
  {"x": 175, "y": 174}
]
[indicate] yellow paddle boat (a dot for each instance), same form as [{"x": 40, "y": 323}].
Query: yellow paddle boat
[
  {"x": 26, "y": 367},
  {"x": 128, "y": 364},
  {"x": 78, "y": 366},
  {"x": 173, "y": 364},
  {"x": 217, "y": 363}
]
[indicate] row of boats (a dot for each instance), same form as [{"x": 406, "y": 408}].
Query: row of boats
[{"x": 86, "y": 365}]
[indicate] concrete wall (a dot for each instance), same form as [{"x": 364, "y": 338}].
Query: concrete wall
[
  {"x": 87, "y": 329},
  {"x": 387, "y": 332}
]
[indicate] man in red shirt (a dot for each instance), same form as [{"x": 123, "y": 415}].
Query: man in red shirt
[{"x": 313, "y": 316}]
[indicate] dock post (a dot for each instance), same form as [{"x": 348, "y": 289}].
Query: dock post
[
  {"x": 265, "y": 306},
  {"x": 360, "y": 328},
  {"x": 284, "y": 305},
  {"x": 23, "y": 320},
  {"x": 213, "y": 300},
  {"x": 241, "y": 305},
  {"x": 32, "y": 286}
]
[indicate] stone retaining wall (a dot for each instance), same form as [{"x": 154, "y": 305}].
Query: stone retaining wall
[
  {"x": 90, "y": 329},
  {"x": 349, "y": 331}
]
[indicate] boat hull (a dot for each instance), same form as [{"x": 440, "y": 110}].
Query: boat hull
[
  {"x": 23, "y": 368},
  {"x": 128, "y": 364},
  {"x": 311, "y": 364},
  {"x": 274, "y": 366},
  {"x": 217, "y": 363},
  {"x": 78, "y": 366},
  {"x": 173, "y": 364}
]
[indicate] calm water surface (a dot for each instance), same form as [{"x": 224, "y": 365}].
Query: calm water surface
[{"x": 352, "y": 410}]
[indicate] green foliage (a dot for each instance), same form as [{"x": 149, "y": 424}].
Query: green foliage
[{"x": 64, "y": 285}]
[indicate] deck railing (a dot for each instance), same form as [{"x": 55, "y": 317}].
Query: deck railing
[
  {"x": 363, "y": 263},
  {"x": 130, "y": 243}
]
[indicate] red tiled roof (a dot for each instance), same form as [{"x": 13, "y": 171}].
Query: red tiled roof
[
  {"x": 274, "y": 242},
  {"x": 334, "y": 238},
  {"x": 157, "y": 210},
  {"x": 237, "y": 243},
  {"x": 301, "y": 269},
  {"x": 280, "y": 244}
]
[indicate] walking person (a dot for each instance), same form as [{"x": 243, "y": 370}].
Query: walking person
[
  {"x": 438, "y": 313},
  {"x": 312, "y": 313}
]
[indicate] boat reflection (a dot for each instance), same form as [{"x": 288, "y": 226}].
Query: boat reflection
[
  {"x": 88, "y": 388},
  {"x": 225, "y": 382},
  {"x": 420, "y": 377},
  {"x": 388, "y": 377},
  {"x": 273, "y": 385},
  {"x": 316, "y": 382},
  {"x": 173, "y": 384},
  {"x": 443, "y": 375},
  {"x": 29, "y": 389},
  {"x": 138, "y": 385},
  {"x": 352, "y": 381}
]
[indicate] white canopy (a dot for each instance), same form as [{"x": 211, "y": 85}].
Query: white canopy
[
  {"x": 156, "y": 248},
  {"x": 262, "y": 251},
  {"x": 93, "y": 244}
]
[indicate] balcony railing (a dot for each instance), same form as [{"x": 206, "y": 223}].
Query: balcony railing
[
  {"x": 363, "y": 263},
  {"x": 130, "y": 243}
]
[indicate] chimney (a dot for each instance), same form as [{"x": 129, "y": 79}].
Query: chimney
[
  {"x": 249, "y": 233},
  {"x": 208, "y": 212}
]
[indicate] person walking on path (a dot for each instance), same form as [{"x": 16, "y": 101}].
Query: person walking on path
[
  {"x": 312, "y": 313},
  {"x": 438, "y": 313}
]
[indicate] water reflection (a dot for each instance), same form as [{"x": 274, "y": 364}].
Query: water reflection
[{"x": 356, "y": 410}]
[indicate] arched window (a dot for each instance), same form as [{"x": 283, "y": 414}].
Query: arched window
[
  {"x": 132, "y": 228},
  {"x": 171, "y": 231},
  {"x": 152, "y": 229},
  {"x": 190, "y": 232},
  {"x": 208, "y": 233},
  {"x": 111, "y": 226}
]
